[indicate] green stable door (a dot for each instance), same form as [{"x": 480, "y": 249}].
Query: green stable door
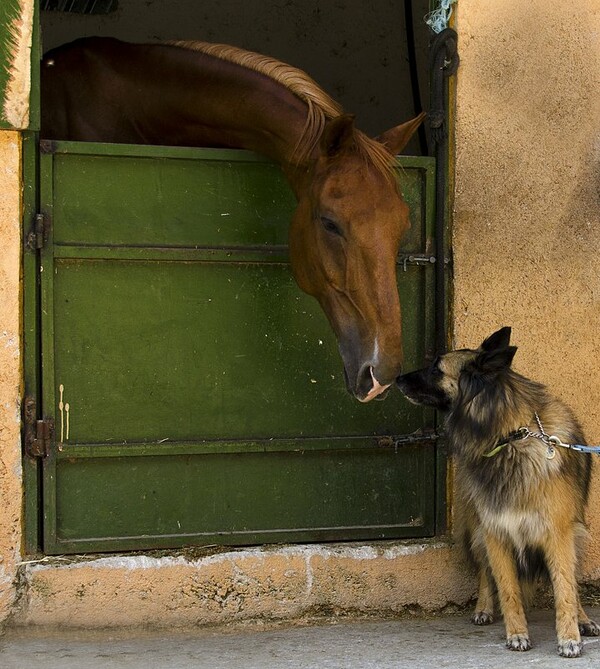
[{"x": 197, "y": 394}]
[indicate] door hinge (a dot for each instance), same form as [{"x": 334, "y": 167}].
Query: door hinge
[
  {"x": 38, "y": 432},
  {"x": 39, "y": 233}
]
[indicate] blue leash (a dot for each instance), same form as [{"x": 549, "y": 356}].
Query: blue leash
[
  {"x": 550, "y": 440},
  {"x": 555, "y": 441}
]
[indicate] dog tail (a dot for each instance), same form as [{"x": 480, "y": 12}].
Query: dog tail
[
  {"x": 531, "y": 568},
  {"x": 531, "y": 565}
]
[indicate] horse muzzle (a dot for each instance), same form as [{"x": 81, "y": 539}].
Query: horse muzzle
[
  {"x": 370, "y": 368},
  {"x": 377, "y": 389},
  {"x": 366, "y": 386}
]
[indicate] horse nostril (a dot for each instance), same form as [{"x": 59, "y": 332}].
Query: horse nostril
[
  {"x": 364, "y": 380},
  {"x": 368, "y": 386}
]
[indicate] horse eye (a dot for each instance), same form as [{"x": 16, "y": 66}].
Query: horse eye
[{"x": 330, "y": 226}]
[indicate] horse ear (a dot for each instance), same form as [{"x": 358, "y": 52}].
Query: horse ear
[
  {"x": 338, "y": 135},
  {"x": 397, "y": 138}
]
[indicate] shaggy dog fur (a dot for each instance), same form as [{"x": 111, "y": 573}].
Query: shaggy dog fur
[{"x": 520, "y": 502}]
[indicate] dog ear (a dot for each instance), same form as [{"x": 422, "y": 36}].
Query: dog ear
[
  {"x": 491, "y": 362},
  {"x": 470, "y": 384},
  {"x": 500, "y": 339},
  {"x": 483, "y": 371}
]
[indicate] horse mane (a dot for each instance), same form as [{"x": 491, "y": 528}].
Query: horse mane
[{"x": 321, "y": 107}]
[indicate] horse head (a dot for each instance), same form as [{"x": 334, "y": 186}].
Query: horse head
[{"x": 344, "y": 240}]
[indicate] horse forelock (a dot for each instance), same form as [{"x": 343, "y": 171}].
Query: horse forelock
[
  {"x": 376, "y": 155},
  {"x": 320, "y": 106}
]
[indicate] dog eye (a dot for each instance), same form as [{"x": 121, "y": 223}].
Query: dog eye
[
  {"x": 331, "y": 226},
  {"x": 435, "y": 370}
]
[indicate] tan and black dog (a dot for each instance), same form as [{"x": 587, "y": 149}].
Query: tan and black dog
[{"x": 521, "y": 497}]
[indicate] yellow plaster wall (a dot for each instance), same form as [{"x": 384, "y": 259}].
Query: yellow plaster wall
[
  {"x": 266, "y": 584},
  {"x": 527, "y": 208},
  {"x": 10, "y": 365}
]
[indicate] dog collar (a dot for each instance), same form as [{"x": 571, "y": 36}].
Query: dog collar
[
  {"x": 550, "y": 440},
  {"x": 517, "y": 435}
]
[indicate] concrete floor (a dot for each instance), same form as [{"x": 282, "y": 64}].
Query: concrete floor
[{"x": 449, "y": 641}]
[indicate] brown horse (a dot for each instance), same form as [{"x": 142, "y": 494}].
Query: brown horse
[{"x": 346, "y": 230}]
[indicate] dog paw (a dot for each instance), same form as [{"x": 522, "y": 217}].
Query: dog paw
[
  {"x": 482, "y": 618},
  {"x": 589, "y": 629},
  {"x": 569, "y": 648},
  {"x": 518, "y": 642}
]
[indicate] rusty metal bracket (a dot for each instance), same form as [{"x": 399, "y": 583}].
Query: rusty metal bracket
[
  {"x": 47, "y": 146},
  {"x": 38, "y": 234},
  {"x": 418, "y": 437},
  {"x": 38, "y": 433}
]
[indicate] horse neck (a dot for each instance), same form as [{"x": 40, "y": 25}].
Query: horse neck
[{"x": 270, "y": 121}]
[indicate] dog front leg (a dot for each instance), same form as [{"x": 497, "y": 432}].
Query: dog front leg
[
  {"x": 504, "y": 570},
  {"x": 560, "y": 559}
]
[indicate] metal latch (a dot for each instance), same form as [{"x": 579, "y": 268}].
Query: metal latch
[
  {"x": 419, "y": 437},
  {"x": 405, "y": 259},
  {"x": 38, "y": 432}
]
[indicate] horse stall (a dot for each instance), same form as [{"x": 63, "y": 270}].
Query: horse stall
[
  {"x": 190, "y": 452},
  {"x": 195, "y": 391}
]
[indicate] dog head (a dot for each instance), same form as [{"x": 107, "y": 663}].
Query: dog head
[{"x": 456, "y": 378}]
